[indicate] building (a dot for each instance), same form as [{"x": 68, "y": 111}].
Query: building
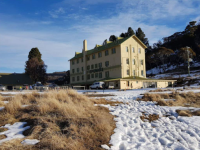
[
  {"x": 14, "y": 80},
  {"x": 121, "y": 63}
]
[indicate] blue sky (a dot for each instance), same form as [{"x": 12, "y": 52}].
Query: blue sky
[{"x": 58, "y": 27}]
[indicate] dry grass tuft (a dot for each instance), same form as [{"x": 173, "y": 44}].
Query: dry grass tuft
[
  {"x": 162, "y": 90},
  {"x": 1, "y": 101},
  {"x": 61, "y": 120},
  {"x": 174, "y": 99},
  {"x": 150, "y": 117},
  {"x": 188, "y": 113},
  {"x": 106, "y": 102}
]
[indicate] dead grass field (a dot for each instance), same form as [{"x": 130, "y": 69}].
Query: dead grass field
[
  {"x": 63, "y": 120},
  {"x": 190, "y": 99}
]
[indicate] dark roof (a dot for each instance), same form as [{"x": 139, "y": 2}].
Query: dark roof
[
  {"x": 107, "y": 46},
  {"x": 14, "y": 79}
]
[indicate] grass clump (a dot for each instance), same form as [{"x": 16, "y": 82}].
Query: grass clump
[
  {"x": 63, "y": 120},
  {"x": 174, "y": 99},
  {"x": 1, "y": 101},
  {"x": 188, "y": 113},
  {"x": 150, "y": 117}
]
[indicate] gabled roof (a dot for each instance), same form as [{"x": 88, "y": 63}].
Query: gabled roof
[
  {"x": 14, "y": 79},
  {"x": 109, "y": 45}
]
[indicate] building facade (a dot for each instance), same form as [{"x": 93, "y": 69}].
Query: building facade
[{"x": 111, "y": 62}]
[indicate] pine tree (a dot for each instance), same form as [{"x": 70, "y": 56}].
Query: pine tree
[
  {"x": 112, "y": 38},
  {"x": 130, "y": 31},
  {"x": 140, "y": 34},
  {"x": 35, "y": 53},
  {"x": 35, "y": 66},
  {"x": 122, "y": 35}
]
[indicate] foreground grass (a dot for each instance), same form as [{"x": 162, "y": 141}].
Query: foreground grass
[
  {"x": 60, "y": 120},
  {"x": 1, "y": 101}
]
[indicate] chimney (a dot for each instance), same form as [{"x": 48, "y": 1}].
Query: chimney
[{"x": 85, "y": 45}]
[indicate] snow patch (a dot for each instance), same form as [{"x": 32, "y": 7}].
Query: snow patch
[
  {"x": 14, "y": 131},
  {"x": 30, "y": 141},
  {"x": 1, "y": 108}
]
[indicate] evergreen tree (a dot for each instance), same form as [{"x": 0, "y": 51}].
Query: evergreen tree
[
  {"x": 122, "y": 35},
  {"x": 35, "y": 53},
  {"x": 130, "y": 31},
  {"x": 112, "y": 38},
  {"x": 140, "y": 34},
  {"x": 35, "y": 66}
]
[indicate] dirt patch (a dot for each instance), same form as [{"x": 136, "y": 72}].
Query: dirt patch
[{"x": 150, "y": 117}]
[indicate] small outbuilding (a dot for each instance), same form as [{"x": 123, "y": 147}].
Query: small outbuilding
[{"x": 15, "y": 80}]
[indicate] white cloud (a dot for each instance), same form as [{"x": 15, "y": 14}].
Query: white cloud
[{"x": 57, "y": 13}]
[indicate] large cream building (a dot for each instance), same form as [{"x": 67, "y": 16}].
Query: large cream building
[{"x": 121, "y": 63}]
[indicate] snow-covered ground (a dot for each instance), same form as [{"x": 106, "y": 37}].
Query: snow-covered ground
[
  {"x": 131, "y": 133},
  {"x": 159, "y": 69}
]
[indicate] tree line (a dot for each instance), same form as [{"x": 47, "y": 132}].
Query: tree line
[{"x": 175, "y": 49}]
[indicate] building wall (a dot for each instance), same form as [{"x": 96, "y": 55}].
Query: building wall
[
  {"x": 128, "y": 84},
  {"x": 114, "y": 67},
  {"x": 132, "y": 43}
]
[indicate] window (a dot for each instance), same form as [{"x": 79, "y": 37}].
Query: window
[
  {"x": 133, "y": 72},
  {"x": 73, "y": 78},
  {"x": 77, "y": 61},
  {"x": 133, "y": 50},
  {"x": 82, "y": 77},
  {"x": 142, "y": 73},
  {"x": 96, "y": 65},
  {"x": 72, "y": 62},
  {"x": 107, "y": 63},
  {"x": 92, "y": 75},
  {"x": 127, "y": 49},
  {"x": 128, "y": 73},
  {"x": 77, "y": 70},
  {"x": 139, "y": 50},
  {"x": 77, "y": 78},
  {"x": 141, "y": 61},
  {"x": 99, "y": 54},
  {"x": 93, "y": 56},
  {"x": 100, "y": 65},
  {"x": 92, "y": 66},
  {"x": 127, "y": 61},
  {"x": 82, "y": 69},
  {"x": 100, "y": 75},
  {"x": 107, "y": 74},
  {"x": 88, "y": 67},
  {"x": 96, "y": 75},
  {"x": 88, "y": 76},
  {"x": 133, "y": 61},
  {"x": 88, "y": 57},
  {"x": 113, "y": 51},
  {"x": 106, "y": 53},
  {"x": 81, "y": 59},
  {"x": 73, "y": 70}
]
